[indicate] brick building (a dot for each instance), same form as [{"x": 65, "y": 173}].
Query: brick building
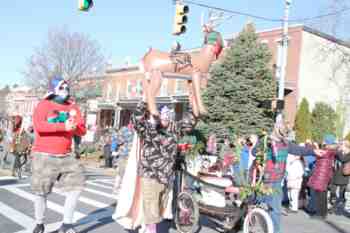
[
  {"x": 308, "y": 74},
  {"x": 314, "y": 70},
  {"x": 123, "y": 89},
  {"x": 21, "y": 101}
]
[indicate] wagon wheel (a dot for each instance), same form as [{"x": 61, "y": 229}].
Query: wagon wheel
[{"x": 187, "y": 213}]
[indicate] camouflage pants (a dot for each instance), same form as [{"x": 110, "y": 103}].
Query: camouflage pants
[
  {"x": 65, "y": 172},
  {"x": 152, "y": 194}
]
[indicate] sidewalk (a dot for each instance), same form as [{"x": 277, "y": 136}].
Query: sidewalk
[
  {"x": 97, "y": 166},
  {"x": 5, "y": 172}
]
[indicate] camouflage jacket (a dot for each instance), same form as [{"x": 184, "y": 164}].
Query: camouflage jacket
[{"x": 159, "y": 147}]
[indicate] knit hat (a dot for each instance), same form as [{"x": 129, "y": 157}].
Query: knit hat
[
  {"x": 329, "y": 139},
  {"x": 54, "y": 83},
  {"x": 280, "y": 131}
]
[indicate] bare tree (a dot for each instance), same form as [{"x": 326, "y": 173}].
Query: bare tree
[
  {"x": 71, "y": 54},
  {"x": 336, "y": 25},
  {"x": 337, "y": 53}
]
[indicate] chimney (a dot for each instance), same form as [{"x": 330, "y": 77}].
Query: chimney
[{"x": 128, "y": 61}]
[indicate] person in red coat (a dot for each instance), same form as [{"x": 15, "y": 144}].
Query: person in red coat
[
  {"x": 56, "y": 121},
  {"x": 322, "y": 175}
]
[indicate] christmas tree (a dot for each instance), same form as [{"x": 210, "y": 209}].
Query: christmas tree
[
  {"x": 303, "y": 122},
  {"x": 240, "y": 83},
  {"x": 323, "y": 121}
]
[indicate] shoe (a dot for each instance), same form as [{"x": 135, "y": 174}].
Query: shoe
[
  {"x": 290, "y": 211},
  {"x": 39, "y": 228},
  {"x": 339, "y": 210},
  {"x": 309, "y": 212},
  {"x": 67, "y": 228},
  {"x": 284, "y": 212}
]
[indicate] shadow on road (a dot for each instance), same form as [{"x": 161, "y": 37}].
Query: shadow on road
[
  {"x": 102, "y": 217},
  {"x": 8, "y": 181},
  {"x": 336, "y": 227},
  {"x": 101, "y": 222}
]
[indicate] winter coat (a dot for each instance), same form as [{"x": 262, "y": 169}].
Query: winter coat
[
  {"x": 323, "y": 171},
  {"x": 339, "y": 178},
  {"x": 295, "y": 171},
  {"x": 276, "y": 160}
]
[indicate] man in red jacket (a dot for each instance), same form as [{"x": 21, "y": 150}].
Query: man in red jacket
[{"x": 56, "y": 120}]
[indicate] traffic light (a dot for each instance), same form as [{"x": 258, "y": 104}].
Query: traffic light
[
  {"x": 180, "y": 18},
  {"x": 85, "y": 5}
]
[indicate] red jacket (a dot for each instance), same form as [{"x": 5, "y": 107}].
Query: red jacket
[
  {"x": 50, "y": 134},
  {"x": 322, "y": 172}
]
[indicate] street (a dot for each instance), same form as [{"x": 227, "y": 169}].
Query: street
[{"x": 96, "y": 205}]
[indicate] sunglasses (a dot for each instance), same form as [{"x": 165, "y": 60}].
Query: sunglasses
[{"x": 63, "y": 87}]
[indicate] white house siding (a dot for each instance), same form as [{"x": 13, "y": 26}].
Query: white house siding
[{"x": 317, "y": 72}]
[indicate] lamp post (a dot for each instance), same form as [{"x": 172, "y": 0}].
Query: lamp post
[{"x": 280, "y": 101}]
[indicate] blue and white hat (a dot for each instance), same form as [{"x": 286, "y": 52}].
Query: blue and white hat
[
  {"x": 165, "y": 113},
  {"x": 54, "y": 84}
]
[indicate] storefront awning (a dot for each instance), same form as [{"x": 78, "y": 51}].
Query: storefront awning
[
  {"x": 130, "y": 103},
  {"x": 106, "y": 105}
]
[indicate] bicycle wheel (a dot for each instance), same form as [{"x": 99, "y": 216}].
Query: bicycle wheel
[
  {"x": 257, "y": 221},
  {"x": 186, "y": 213}
]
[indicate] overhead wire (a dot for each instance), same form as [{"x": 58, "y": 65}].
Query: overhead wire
[{"x": 263, "y": 17}]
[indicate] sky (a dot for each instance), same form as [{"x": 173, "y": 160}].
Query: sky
[{"x": 122, "y": 28}]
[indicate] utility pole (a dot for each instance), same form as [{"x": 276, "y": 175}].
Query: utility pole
[{"x": 284, "y": 57}]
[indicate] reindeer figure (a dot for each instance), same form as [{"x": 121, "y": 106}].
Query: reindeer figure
[{"x": 155, "y": 63}]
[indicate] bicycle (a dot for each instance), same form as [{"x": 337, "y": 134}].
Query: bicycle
[{"x": 228, "y": 212}]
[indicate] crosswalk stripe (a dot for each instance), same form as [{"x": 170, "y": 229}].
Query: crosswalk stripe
[
  {"x": 8, "y": 178},
  {"x": 99, "y": 193},
  {"x": 48, "y": 228},
  {"x": 14, "y": 186},
  {"x": 85, "y": 200},
  {"x": 86, "y": 189},
  {"x": 16, "y": 216},
  {"x": 51, "y": 205},
  {"x": 11, "y": 177},
  {"x": 23, "y": 220},
  {"x": 109, "y": 181},
  {"x": 93, "y": 202},
  {"x": 99, "y": 185},
  {"x": 88, "y": 219}
]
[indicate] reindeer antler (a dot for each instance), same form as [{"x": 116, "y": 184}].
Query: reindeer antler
[{"x": 215, "y": 18}]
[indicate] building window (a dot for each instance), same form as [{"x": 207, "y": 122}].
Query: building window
[
  {"x": 117, "y": 92},
  {"x": 134, "y": 88},
  {"x": 164, "y": 88},
  {"x": 109, "y": 92},
  {"x": 180, "y": 87}
]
